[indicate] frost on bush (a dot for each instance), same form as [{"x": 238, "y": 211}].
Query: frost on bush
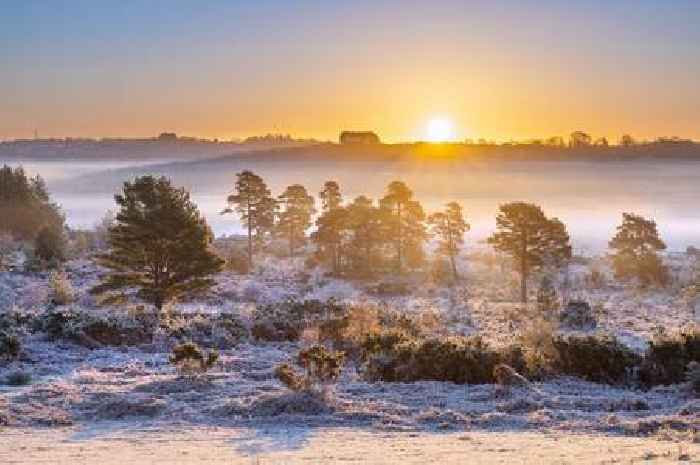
[
  {"x": 95, "y": 330},
  {"x": 667, "y": 357},
  {"x": 693, "y": 377},
  {"x": 10, "y": 346},
  {"x": 191, "y": 361},
  {"x": 322, "y": 367},
  {"x": 537, "y": 348},
  {"x": 601, "y": 359},
  {"x": 62, "y": 292},
  {"x": 578, "y": 315},
  {"x": 18, "y": 378},
  {"x": 394, "y": 356},
  {"x": 287, "y": 320}
]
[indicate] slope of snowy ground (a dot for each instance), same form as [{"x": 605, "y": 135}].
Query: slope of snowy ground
[{"x": 137, "y": 387}]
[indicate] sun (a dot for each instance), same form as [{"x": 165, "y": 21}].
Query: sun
[{"x": 439, "y": 130}]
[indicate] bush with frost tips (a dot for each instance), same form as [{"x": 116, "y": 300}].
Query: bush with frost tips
[
  {"x": 62, "y": 292},
  {"x": 10, "y": 346},
  {"x": 322, "y": 367},
  {"x": 191, "y": 361},
  {"x": 667, "y": 357}
]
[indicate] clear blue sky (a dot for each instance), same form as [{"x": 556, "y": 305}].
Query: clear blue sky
[{"x": 497, "y": 69}]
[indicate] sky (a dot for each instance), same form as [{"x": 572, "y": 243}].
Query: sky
[{"x": 494, "y": 69}]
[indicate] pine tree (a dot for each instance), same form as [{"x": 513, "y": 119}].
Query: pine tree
[
  {"x": 295, "y": 217},
  {"x": 255, "y": 206},
  {"x": 330, "y": 196},
  {"x": 530, "y": 238},
  {"x": 159, "y": 244},
  {"x": 330, "y": 224},
  {"x": 449, "y": 227},
  {"x": 330, "y": 227},
  {"x": 404, "y": 224},
  {"x": 365, "y": 231},
  {"x": 636, "y": 244}
]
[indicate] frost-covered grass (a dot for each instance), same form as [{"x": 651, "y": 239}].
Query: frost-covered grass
[{"x": 74, "y": 384}]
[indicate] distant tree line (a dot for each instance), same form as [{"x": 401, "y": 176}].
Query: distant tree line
[{"x": 159, "y": 246}]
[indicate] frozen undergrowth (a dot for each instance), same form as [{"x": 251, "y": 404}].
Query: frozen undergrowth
[{"x": 77, "y": 385}]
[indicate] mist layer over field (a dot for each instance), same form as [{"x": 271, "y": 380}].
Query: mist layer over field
[{"x": 589, "y": 196}]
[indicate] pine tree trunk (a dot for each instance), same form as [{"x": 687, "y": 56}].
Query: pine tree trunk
[
  {"x": 454, "y": 267},
  {"x": 399, "y": 242},
  {"x": 250, "y": 241}
]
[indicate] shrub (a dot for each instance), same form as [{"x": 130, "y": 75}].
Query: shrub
[
  {"x": 62, "y": 292},
  {"x": 693, "y": 376},
  {"x": 286, "y": 321},
  {"x": 18, "y": 378},
  {"x": 235, "y": 259},
  {"x": 290, "y": 378},
  {"x": 322, "y": 368},
  {"x": 222, "y": 330},
  {"x": 50, "y": 246},
  {"x": 578, "y": 315},
  {"x": 667, "y": 357},
  {"x": 348, "y": 332},
  {"x": 95, "y": 330},
  {"x": 10, "y": 346},
  {"x": 601, "y": 359},
  {"x": 190, "y": 360},
  {"x": 393, "y": 356},
  {"x": 536, "y": 346}
]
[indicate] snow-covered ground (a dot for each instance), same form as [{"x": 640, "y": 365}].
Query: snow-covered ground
[{"x": 126, "y": 390}]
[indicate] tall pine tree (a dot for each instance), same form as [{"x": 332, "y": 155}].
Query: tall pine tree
[
  {"x": 294, "y": 218},
  {"x": 159, "y": 244},
  {"x": 449, "y": 227},
  {"x": 530, "y": 238},
  {"x": 255, "y": 206}
]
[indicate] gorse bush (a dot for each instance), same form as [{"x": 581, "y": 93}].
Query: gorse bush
[
  {"x": 190, "y": 360},
  {"x": 62, "y": 292},
  {"x": 693, "y": 377},
  {"x": 10, "y": 346},
  {"x": 394, "y": 356},
  {"x": 667, "y": 357},
  {"x": 601, "y": 359},
  {"x": 287, "y": 320},
  {"x": 321, "y": 365}
]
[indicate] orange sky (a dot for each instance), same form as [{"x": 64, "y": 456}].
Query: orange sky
[{"x": 497, "y": 70}]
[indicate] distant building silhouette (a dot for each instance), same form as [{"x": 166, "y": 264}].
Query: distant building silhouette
[
  {"x": 359, "y": 137},
  {"x": 167, "y": 136}
]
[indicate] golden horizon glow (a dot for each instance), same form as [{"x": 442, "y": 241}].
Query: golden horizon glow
[{"x": 439, "y": 130}]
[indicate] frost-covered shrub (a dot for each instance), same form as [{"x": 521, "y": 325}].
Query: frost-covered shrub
[
  {"x": 287, "y": 320},
  {"x": 667, "y": 357},
  {"x": 62, "y": 292},
  {"x": 692, "y": 375},
  {"x": 18, "y": 378},
  {"x": 601, "y": 359},
  {"x": 347, "y": 333},
  {"x": 10, "y": 346},
  {"x": 96, "y": 330},
  {"x": 396, "y": 357},
  {"x": 322, "y": 367},
  {"x": 536, "y": 343},
  {"x": 286, "y": 374},
  {"x": 223, "y": 330},
  {"x": 391, "y": 288},
  {"x": 190, "y": 360},
  {"x": 578, "y": 315}
]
